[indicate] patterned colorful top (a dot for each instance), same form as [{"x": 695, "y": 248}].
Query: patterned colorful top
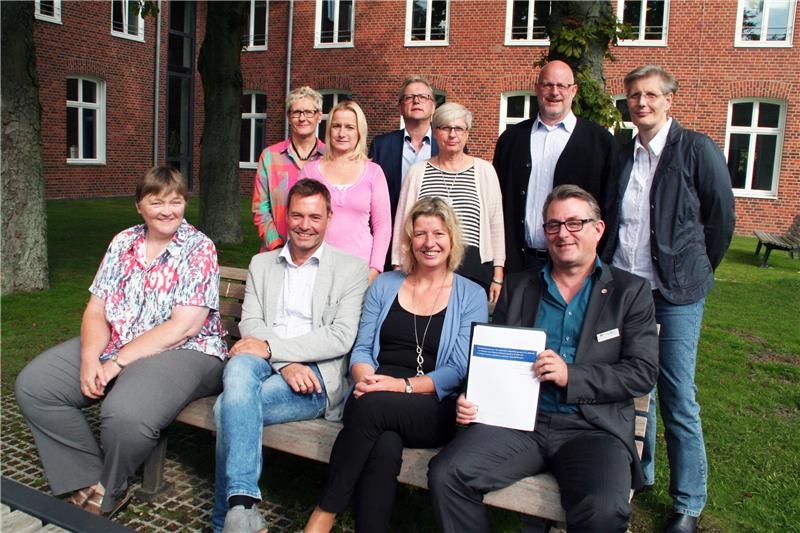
[
  {"x": 139, "y": 297},
  {"x": 277, "y": 172}
]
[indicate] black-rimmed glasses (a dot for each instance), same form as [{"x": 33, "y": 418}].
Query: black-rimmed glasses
[
  {"x": 308, "y": 113},
  {"x": 421, "y": 97},
  {"x": 573, "y": 225}
]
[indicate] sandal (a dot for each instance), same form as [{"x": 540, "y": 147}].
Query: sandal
[
  {"x": 81, "y": 496},
  {"x": 94, "y": 504}
]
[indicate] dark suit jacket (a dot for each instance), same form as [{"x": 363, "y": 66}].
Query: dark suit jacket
[
  {"x": 586, "y": 161},
  {"x": 606, "y": 376}
]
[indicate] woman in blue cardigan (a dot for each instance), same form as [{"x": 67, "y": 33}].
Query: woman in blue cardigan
[{"x": 408, "y": 364}]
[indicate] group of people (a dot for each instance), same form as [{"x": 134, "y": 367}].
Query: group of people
[{"x": 610, "y": 252}]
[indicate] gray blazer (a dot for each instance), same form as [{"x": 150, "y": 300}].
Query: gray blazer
[{"x": 335, "y": 310}]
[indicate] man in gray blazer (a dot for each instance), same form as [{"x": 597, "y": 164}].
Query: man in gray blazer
[
  {"x": 300, "y": 316},
  {"x": 601, "y": 352}
]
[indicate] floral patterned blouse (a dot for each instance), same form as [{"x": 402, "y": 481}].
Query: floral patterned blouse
[{"x": 139, "y": 297}]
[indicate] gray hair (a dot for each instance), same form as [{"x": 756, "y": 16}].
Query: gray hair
[
  {"x": 304, "y": 92},
  {"x": 565, "y": 192},
  {"x": 449, "y": 112},
  {"x": 668, "y": 83},
  {"x": 414, "y": 79}
]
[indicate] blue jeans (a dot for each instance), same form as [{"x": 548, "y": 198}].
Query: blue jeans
[
  {"x": 680, "y": 412},
  {"x": 254, "y": 395}
]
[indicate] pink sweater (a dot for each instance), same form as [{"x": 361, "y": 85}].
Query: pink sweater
[{"x": 362, "y": 222}]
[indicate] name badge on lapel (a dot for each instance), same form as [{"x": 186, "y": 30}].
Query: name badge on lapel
[{"x": 606, "y": 335}]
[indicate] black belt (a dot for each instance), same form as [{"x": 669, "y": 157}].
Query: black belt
[{"x": 537, "y": 253}]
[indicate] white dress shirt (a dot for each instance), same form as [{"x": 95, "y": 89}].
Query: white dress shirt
[
  {"x": 293, "y": 311},
  {"x": 410, "y": 155}
]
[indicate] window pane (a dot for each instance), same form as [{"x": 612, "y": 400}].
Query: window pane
[
  {"x": 244, "y": 143},
  {"x": 259, "y": 140},
  {"x": 441, "y": 98},
  {"x": 737, "y": 159},
  {"x": 655, "y": 20},
  {"x": 439, "y": 20},
  {"x": 72, "y": 132},
  {"x": 89, "y": 92},
  {"x": 622, "y": 105},
  {"x": 778, "y": 20},
  {"x": 418, "y": 18},
  {"x": 623, "y": 136},
  {"x": 261, "y": 103},
  {"x": 72, "y": 89},
  {"x": 632, "y": 14},
  {"x": 541, "y": 16},
  {"x": 89, "y": 128},
  {"x": 515, "y": 106},
  {"x": 260, "y": 23},
  {"x": 326, "y": 21},
  {"x": 177, "y": 16},
  {"x": 133, "y": 18},
  {"x": 116, "y": 15},
  {"x": 742, "y": 114},
  {"x": 345, "y": 16},
  {"x": 768, "y": 115},
  {"x": 245, "y": 105},
  {"x": 751, "y": 21},
  {"x": 764, "y": 167},
  {"x": 327, "y": 102},
  {"x": 46, "y": 8},
  {"x": 519, "y": 19}
]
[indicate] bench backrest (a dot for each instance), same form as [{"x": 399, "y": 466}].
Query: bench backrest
[
  {"x": 231, "y": 296},
  {"x": 794, "y": 231}
]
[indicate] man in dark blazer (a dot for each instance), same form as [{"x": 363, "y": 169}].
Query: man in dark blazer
[
  {"x": 396, "y": 151},
  {"x": 540, "y": 153},
  {"x": 601, "y": 352}
]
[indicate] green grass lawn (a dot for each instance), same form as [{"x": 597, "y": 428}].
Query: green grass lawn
[{"x": 748, "y": 373}]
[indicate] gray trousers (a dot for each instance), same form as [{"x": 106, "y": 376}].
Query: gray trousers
[{"x": 144, "y": 399}]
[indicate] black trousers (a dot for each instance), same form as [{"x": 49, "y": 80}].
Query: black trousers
[
  {"x": 368, "y": 452},
  {"x": 592, "y": 467}
]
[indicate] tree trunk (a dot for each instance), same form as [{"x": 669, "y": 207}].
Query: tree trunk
[
  {"x": 220, "y": 67},
  {"x": 24, "y": 217}
]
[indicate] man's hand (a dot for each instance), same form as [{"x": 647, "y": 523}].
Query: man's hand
[
  {"x": 252, "y": 346},
  {"x": 301, "y": 378},
  {"x": 466, "y": 411},
  {"x": 550, "y": 366}
]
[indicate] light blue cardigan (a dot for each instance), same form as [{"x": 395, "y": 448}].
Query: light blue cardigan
[{"x": 467, "y": 304}]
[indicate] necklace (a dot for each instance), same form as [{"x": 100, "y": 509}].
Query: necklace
[
  {"x": 420, "y": 358},
  {"x": 297, "y": 152}
]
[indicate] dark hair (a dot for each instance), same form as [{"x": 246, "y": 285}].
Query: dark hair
[
  {"x": 565, "y": 192},
  {"x": 159, "y": 180},
  {"x": 309, "y": 187}
]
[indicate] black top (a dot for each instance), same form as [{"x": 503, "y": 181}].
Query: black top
[{"x": 398, "y": 355}]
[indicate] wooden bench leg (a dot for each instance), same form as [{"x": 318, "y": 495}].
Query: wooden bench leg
[
  {"x": 758, "y": 248},
  {"x": 153, "y": 471},
  {"x": 767, "y": 251}
]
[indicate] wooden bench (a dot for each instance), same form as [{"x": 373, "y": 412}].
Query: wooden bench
[
  {"x": 789, "y": 241},
  {"x": 313, "y": 439}
]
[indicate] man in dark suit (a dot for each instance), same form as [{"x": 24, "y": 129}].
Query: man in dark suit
[
  {"x": 601, "y": 352},
  {"x": 540, "y": 153},
  {"x": 396, "y": 151}
]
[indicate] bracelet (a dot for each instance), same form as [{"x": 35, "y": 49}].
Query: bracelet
[{"x": 495, "y": 280}]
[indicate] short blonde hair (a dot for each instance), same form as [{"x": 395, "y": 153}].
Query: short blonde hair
[
  {"x": 304, "y": 92},
  {"x": 431, "y": 206},
  {"x": 160, "y": 180},
  {"x": 450, "y": 111},
  {"x": 360, "y": 151}
]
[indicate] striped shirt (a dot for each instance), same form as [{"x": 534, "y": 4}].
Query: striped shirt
[{"x": 461, "y": 192}]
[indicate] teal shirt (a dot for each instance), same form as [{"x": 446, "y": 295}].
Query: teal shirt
[{"x": 563, "y": 323}]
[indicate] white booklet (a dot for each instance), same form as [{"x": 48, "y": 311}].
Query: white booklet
[{"x": 500, "y": 379}]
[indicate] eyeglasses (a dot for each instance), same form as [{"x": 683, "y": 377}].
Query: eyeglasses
[
  {"x": 573, "y": 225},
  {"x": 458, "y": 130},
  {"x": 411, "y": 97},
  {"x": 649, "y": 97},
  {"x": 308, "y": 113},
  {"x": 561, "y": 87}
]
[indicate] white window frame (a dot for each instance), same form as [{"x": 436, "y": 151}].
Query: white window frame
[
  {"x": 338, "y": 96},
  {"x": 100, "y": 133},
  {"x": 626, "y": 124},
  {"x": 530, "y": 41},
  {"x": 429, "y": 14},
  {"x": 318, "y": 26},
  {"x": 55, "y": 18},
  {"x": 754, "y": 131},
  {"x": 505, "y": 121},
  {"x": 763, "y": 42},
  {"x": 252, "y": 115},
  {"x": 640, "y": 40},
  {"x": 251, "y": 28},
  {"x": 125, "y": 13}
]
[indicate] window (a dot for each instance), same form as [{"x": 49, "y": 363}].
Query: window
[
  {"x": 256, "y": 36},
  {"x": 515, "y": 107},
  {"x": 125, "y": 20},
  {"x": 526, "y": 21},
  {"x": 648, "y": 19},
  {"x": 334, "y": 23},
  {"x": 86, "y": 131},
  {"x": 627, "y": 131},
  {"x": 254, "y": 128},
  {"x": 765, "y": 23},
  {"x": 427, "y": 22},
  {"x": 330, "y": 99},
  {"x": 753, "y": 144},
  {"x": 49, "y": 10}
]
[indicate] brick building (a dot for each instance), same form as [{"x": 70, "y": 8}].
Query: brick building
[{"x": 133, "y": 95}]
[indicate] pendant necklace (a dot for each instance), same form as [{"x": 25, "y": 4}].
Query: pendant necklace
[
  {"x": 420, "y": 358},
  {"x": 297, "y": 152}
]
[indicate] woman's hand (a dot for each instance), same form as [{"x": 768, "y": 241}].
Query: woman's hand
[
  {"x": 466, "y": 411},
  {"x": 373, "y": 273},
  {"x": 378, "y": 382},
  {"x": 93, "y": 378},
  {"x": 494, "y": 292}
]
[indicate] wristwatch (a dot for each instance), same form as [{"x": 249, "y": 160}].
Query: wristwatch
[
  {"x": 115, "y": 359},
  {"x": 409, "y": 388}
]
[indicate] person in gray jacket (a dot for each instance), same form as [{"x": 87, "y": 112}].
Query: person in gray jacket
[
  {"x": 670, "y": 218},
  {"x": 300, "y": 316}
]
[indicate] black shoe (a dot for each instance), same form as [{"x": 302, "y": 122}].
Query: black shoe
[{"x": 681, "y": 523}]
